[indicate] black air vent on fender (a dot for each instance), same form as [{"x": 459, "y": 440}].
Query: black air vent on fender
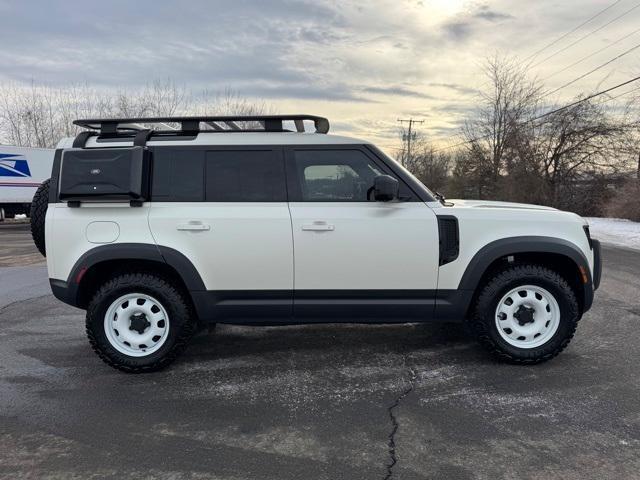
[{"x": 449, "y": 238}]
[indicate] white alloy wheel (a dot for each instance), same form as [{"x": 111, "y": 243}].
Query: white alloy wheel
[
  {"x": 136, "y": 324},
  {"x": 527, "y": 316}
]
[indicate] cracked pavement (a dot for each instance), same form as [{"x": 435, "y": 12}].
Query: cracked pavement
[
  {"x": 393, "y": 457},
  {"x": 319, "y": 401}
]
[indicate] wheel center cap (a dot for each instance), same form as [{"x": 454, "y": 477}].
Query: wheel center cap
[
  {"x": 524, "y": 315},
  {"x": 139, "y": 323}
]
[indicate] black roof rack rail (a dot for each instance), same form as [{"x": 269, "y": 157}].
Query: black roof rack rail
[{"x": 227, "y": 123}]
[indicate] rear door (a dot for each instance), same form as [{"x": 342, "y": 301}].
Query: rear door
[
  {"x": 355, "y": 257},
  {"x": 226, "y": 210}
]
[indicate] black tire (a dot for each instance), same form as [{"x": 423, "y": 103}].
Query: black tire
[
  {"x": 38, "y": 213},
  {"x": 182, "y": 321},
  {"x": 483, "y": 321}
]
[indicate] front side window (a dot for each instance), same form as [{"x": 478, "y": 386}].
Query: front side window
[{"x": 335, "y": 175}]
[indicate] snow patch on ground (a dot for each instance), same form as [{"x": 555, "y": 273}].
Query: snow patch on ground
[{"x": 616, "y": 231}]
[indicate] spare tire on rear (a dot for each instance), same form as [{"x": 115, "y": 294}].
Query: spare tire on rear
[{"x": 38, "y": 213}]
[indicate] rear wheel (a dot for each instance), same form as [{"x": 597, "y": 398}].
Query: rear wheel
[
  {"x": 526, "y": 314},
  {"x": 139, "y": 322}
]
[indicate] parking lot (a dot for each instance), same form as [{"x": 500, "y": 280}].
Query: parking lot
[{"x": 323, "y": 401}]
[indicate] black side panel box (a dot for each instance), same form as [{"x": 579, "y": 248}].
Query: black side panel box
[{"x": 104, "y": 173}]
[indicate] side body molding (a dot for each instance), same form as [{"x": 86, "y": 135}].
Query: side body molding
[
  {"x": 454, "y": 304},
  {"x": 450, "y": 305}
]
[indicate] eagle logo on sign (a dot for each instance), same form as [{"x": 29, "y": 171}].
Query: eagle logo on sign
[{"x": 12, "y": 165}]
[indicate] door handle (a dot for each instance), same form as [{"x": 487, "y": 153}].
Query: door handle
[
  {"x": 318, "y": 227},
  {"x": 193, "y": 227}
]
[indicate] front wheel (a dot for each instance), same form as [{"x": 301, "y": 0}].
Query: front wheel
[
  {"x": 526, "y": 314},
  {"x": 139, "y": 322}
]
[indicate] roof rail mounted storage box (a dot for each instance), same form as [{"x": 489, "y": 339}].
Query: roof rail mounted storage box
[{"x": 104, "y": 174}]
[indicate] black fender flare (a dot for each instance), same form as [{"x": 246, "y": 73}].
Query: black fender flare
[
  {"x": 454, "y": 304},
  {"x": 514, "y": 245},
  {"x": 129, "y": 251}
]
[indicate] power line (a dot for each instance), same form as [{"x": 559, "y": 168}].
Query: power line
[
  {"x": 562, "y": 37},
  {"x": 592, "y": 71},
  {"x": 637, "y": 89},
  {"x": 621, "y": 95},
  {"x": 606, "y": 100},
  {"x": 588, "y": 56},
  {"x": 579, "y": 40},
  {"x": 586, "y": 36},
  {"x": 592, "y": 54},
  {"x": 539, "y": 117}
]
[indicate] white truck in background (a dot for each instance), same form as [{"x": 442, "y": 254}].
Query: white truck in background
[{"x": 22, "y": 170}]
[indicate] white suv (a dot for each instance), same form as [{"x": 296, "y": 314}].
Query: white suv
[{"x": 257, "y": 220}]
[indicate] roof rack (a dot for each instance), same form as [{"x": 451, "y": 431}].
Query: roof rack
[{"x": 266, "y": 123}]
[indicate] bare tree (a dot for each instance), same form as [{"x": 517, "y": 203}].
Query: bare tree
[
  {"x": 510, "y": 100},
  {"x": 431, "y": 167},
  {"x": 575, "y": 148},
  {"x": 428, "y": 165},
  {"x": 569, "y": 159},
  {"x": 229, "y": 102},
  {"x": 40, "y": 115},
  {"x": 471, "y": 174},
  {"x": 625, "y": 202},
  {"x": 632, "y": 120}
]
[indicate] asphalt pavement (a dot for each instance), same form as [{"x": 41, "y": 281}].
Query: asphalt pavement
[{"x": 316, "y": 402}]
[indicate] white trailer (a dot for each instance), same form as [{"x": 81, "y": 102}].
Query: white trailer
[{"x": 22, "y": 170}]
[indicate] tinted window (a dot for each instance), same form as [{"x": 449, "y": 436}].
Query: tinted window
[
  {"x": 335, "y": 175},
  {"x": 245, "y": 176},
  {"x": 177, "y": 175}
]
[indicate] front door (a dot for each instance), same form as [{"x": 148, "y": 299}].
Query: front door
[{"x": 356, "y": 258}]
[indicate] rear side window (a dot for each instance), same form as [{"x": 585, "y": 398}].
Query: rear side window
[
  {"x": 178, "y": 175},
  {"x": 245, "y": 176},
  {"x": 196, "y": 175}
]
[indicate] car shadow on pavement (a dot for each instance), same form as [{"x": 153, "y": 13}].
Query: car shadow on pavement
[{"x": 228, "y": 341}]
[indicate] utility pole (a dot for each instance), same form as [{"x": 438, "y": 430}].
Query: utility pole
[{"x": 409, "y": 136}]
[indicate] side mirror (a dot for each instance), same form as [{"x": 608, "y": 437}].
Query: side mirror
[{"x": 385, "y": 188}]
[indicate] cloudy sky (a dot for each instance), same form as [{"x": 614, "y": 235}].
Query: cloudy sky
[{"x": 364, "y": 64}]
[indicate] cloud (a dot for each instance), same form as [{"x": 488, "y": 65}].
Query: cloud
[
  {"x": 464, "y": 110},
  {"x": 444, "y": 132},
  {"x": 131, "y": 41},
  {"x": 461, "y": 26},
  {"x": 485, "y": 13},
  {"x": 458, "y": 30},
  {"x": 399, "y": 91},
  {"x": 308, "y": 92},
  {"x": 456, "y": 87},
  {"x": 347, "y": 59}
]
